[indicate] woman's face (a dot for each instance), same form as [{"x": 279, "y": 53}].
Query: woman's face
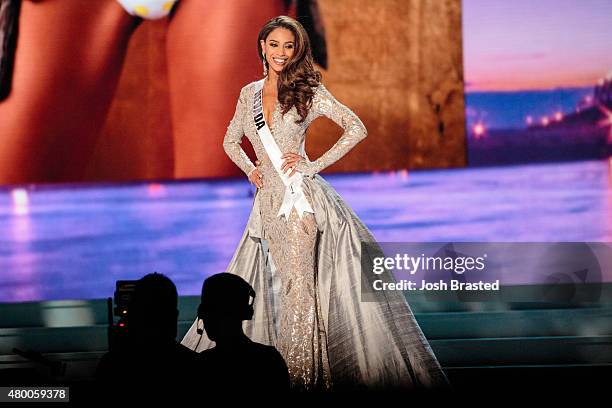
[{"x": 278, "y": 47}]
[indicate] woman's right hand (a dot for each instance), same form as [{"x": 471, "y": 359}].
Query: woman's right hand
[{"x": 256, "y": 177}]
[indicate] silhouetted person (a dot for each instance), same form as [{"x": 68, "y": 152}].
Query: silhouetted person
[
  {"x": 236, "y": 364},
  {"x": 152, "y": 364}
]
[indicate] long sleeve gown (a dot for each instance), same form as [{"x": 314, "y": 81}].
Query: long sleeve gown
[{"x": 307, "y": 273}]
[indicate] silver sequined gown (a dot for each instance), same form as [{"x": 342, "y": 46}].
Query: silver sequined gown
[{"x": 315, "y": 319}]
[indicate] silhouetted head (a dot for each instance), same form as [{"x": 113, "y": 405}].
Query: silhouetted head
[
  {"x": 153, "y": 309},
  {"x": 226, "y": 301}
]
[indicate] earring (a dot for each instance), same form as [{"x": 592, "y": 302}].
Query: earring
[{"x": 265, "y": 66}]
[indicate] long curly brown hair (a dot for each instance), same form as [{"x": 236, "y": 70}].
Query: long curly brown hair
[{"x": 298, "y": 79}]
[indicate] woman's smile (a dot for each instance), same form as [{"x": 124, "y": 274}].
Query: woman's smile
[{"x": 279, "y": 61}]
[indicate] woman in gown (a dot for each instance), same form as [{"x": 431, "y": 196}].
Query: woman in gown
[{"x": 302, "y": 247}]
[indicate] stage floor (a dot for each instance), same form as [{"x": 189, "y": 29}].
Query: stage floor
[{"x": 75, "y": 241}]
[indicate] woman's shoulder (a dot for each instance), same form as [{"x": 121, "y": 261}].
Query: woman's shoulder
[
  {"x": 322, "y": 98},
  {"x": 319, "y": 87},
  {"x": 249, "y": 87},
  {"x": 320, "y": 91},
  {"x": 247, "y": 91}
]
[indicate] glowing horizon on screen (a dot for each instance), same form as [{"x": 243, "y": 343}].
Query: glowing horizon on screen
[{"x": 535, "y": 45}]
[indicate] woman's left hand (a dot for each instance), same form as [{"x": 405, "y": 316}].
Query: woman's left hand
[{"x": 291, "y": 160}]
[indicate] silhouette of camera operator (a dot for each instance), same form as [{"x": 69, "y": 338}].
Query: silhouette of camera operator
[
  {"x": 236, "y": 363},
  {"x": 152, "y": 363}
]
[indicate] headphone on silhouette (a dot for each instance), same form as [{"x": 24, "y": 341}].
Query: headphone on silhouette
[{"x": 244, "y": 313}]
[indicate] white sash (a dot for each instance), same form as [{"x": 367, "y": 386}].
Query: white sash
[{"x": 294, "y": 196}]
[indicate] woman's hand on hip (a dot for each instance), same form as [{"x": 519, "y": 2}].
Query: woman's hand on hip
[
  {"x": 255, "y": 176},
  {"x": 291, "y": 160}
]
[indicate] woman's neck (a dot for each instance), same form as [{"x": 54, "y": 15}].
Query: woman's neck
[{"x": 272, "y": 80}]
